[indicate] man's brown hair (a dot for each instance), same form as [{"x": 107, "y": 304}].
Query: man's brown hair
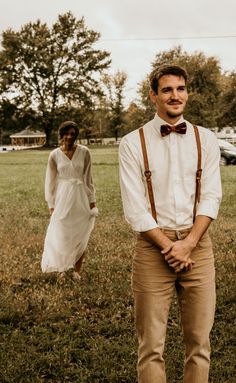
[{"x": 163, "y": 70}]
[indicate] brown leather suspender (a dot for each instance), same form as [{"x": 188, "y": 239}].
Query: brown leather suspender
[
  {"x": 198, "y": 173},
  {"x": 148, "y": 173}
]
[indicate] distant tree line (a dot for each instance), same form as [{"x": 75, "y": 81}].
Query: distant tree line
[{"x": 48, "y": 75}]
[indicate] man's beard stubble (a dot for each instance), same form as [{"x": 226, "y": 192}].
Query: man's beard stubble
[{"x": 174, "y": 115}]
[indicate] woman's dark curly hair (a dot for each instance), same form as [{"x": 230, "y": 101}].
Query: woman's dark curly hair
[{"x": 65, "y": 127}]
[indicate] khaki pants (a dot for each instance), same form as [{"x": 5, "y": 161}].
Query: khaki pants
[{"x": 153, "y": 283}]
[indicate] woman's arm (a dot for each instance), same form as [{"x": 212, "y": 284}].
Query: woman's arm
[
  {"x": 89, "y": 185},
  {"x": 50, "y": 183}
]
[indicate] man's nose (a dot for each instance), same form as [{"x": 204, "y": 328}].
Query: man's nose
[{"x": 174, "y": 94}]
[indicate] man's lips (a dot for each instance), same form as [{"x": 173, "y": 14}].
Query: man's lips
[
  {"x": 175, "y": 103},
  {"x": 176, "y": 106}
]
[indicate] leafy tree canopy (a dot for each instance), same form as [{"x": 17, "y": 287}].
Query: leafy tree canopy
[
  {"x": 113, "y": 101},
  {"x": 45, "y": 68},
  {"x": 228, "y": 101}
]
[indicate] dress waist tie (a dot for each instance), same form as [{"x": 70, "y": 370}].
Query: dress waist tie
[{"x": 68, "y": 202}]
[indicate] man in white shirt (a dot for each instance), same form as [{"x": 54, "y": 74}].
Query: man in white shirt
[{"x": 173, "y": 247}]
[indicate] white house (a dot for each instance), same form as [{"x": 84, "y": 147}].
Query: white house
[
  {"x": 28, "y": 137},
  {"x": 227, "y": 133}
]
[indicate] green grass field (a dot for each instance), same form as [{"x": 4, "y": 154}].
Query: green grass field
[{"x": 63, "y": 331}]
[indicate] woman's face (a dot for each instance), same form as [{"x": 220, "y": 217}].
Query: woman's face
[{"x": 69, "y": 137}]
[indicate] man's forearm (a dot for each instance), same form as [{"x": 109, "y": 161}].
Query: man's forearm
[
  {"x": 157, "y": 237},
  {"x": 199, "y": 227}
]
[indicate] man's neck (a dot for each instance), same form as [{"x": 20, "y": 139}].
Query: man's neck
[{"x": 171, "y": 120}]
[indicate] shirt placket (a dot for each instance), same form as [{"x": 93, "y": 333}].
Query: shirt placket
[{"x": 176, "y": 178}]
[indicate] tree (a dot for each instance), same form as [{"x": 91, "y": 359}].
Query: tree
[
  {"x": 228, "y": 101},
  {"x": 204, "y": 85},
  {"x": 8, "y": 112},
  {"x": 114, "y": 90},
  {"x": 46, "y": 68},
  {"x": 135, "y": 117}
]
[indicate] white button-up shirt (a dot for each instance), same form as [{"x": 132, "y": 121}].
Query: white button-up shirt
[{"x": 173, "y": 164}]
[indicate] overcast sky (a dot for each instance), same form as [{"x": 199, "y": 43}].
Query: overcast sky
[{"x": 134, "y": 31}]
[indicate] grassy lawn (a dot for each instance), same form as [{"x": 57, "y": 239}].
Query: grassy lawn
[{"x": 63, "y": 331}]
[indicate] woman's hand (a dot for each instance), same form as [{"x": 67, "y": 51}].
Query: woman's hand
[{"x": 93, "y": 209}]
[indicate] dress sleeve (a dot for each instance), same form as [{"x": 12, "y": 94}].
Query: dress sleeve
[
  {"x": 88, "y": 181},
  {"x": 51, "y": 182}
]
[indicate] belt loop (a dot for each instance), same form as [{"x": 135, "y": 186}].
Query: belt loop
[{"x": 178, "y": 234}]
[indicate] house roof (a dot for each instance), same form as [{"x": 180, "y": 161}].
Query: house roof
[{"x": 28, "y": 132}]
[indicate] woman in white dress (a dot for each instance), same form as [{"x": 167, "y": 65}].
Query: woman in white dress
[{"x": 70, "y": 194}]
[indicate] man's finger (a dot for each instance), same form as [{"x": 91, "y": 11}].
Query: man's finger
[{"x": 167, "y": 249}]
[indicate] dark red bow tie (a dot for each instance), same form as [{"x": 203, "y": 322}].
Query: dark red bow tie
[{"x": 167, "y": 129}]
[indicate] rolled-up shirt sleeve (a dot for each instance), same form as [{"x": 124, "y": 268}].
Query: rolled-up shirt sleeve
[
  {"x": 133, "y": 192},
  {"x": 51, "y": 182},
  {"x": 211, "y": 191}
]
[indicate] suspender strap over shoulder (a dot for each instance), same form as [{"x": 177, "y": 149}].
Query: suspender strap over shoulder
[
  {"x": 148, "y": 174},
  {"x": 199, "y": 171}
]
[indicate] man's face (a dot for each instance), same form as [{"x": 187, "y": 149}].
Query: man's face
[{"x": 171, "y": 97}]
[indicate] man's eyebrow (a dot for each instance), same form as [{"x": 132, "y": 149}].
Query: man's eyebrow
[
  {"x": 167, "y": 88},
  {"x": 170, "y": 87}
]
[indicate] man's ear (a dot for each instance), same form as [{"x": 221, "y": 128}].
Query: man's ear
[{"x": 152, "y": 96}]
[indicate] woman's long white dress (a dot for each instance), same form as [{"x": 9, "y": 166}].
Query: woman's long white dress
[{"x": 69, "y": 190}]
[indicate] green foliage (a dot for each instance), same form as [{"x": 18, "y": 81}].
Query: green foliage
[
  {"x": 135, "y": 117},
  {"x": 47, "y": 67},
  {"x": 7, "y": 114},
  {"x": 59, "y": 330},
  {"x": 112, "y": 103},
  {"x": 228, "y": 102}
]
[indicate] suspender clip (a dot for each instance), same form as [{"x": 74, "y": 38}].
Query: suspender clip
[
  {"x": 148, "y": 175},
  {"x": 199, "y": 174}
]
